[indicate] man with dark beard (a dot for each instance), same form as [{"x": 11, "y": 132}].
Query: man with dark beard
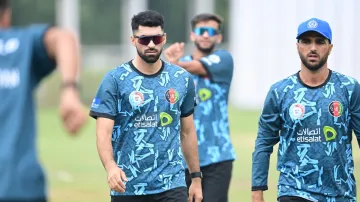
[
  {"x": 212, "y": 70},
  {"x": 144, "y": 110},
  {"x": 312, "y": 114}
]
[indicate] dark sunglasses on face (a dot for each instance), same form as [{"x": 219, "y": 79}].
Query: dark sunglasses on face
[
  {"x": 145, "y": 40},
  {"x": 201, "y": 30}
]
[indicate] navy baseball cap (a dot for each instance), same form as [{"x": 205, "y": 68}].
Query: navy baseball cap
[{"x": 315, "y": 25}]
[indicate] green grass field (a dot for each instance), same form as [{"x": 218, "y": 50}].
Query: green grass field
[{"x": 75, "y": 173}]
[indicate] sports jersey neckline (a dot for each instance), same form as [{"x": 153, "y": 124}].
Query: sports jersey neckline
[
  {"x": 314, "y": 87},
  {"x": 147, "y": 75}
]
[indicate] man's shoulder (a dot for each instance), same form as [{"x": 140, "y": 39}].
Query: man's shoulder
[
  {"x": 24, "y": 33},
  {"x": 218, "y": 57},
  {"x": 347, "y": 82},
  {"x": 343, "y": 77},
  {"x": 120, "y": 69},
  {"x": 222, "y": 53},
  {"x": 32, "y": 28},
  {"x": 283, "y": 83},
  {"x": 17, "y": 32},
  {"x": 121, "y": 72}
]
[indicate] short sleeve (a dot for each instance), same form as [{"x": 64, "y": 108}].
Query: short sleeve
[
  {"x": 219, "y": 66},
  {"x": 42, "y": 64},
  {"x": 106, "y": 100},
  {"x": 188, "y": 105}
]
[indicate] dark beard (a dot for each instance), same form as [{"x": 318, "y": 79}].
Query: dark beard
[
  {"x": 315, "y": 67},
  {"x": 149, "y": 59},
  {"x": 205, "y": 50}
]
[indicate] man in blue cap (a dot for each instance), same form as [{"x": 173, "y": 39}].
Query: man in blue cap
[{"x": 312, "y": 113}]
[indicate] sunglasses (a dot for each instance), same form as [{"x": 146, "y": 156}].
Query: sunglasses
[
  {"x": 145, "y": 40},
  {"x": 201, "y": 30}
]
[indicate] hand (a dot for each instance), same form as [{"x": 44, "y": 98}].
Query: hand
[
  {"x": 72, "y": 111},
  {"x": 195, "y": 190},
  {"x": 116, "y": 178},
  {"x": 257, "y": 196},
  {"x": 174, "y": 52}
]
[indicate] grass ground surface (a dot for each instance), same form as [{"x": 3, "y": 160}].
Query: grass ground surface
[{"x": 75, "y": 173}]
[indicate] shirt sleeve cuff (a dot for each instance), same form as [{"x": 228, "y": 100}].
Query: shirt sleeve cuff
[
  {"x": 187, "y": 114},
  {"x": 259, "y": 188},
  {"x": 95, "y": 115}
]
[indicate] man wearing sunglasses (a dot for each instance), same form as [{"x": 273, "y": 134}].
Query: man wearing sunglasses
[
  {"x": 212, "y": 70},
  {"x": 144, "y": 110}
]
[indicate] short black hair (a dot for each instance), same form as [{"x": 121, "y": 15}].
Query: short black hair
[
  {"x": 148, "y": 19},
  {"x": 4, "y": 4},
  {"x": 206, "y": 17}
]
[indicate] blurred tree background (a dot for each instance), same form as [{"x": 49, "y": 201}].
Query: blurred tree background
[
  {"x": 100, "y": 22},
  {"x": 34, "y": 11}
]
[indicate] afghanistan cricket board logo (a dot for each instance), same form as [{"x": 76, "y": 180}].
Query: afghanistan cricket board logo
[
  {"x": 172, "y": 96},
  {"x": 336, "y": 108},
  {"x": 136, "y": 98},
  {"x": 297, "y": 111}
]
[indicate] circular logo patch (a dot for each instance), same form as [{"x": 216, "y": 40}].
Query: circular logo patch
[
  {"x": 214, "y": 58},
  {"x": 172, "y": 96},
  {"x": 312, "y": 24},
  {"x": 335, "y": 108},
  {"x": 297, "y": 111},
  {"x": 136, "y": 98}
]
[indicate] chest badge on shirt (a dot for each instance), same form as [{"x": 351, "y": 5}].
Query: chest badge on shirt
[
  {"x": 136, "y": 98},
  {"x": 297, "y": 111},
  {"x": 336, "y": 108},
  {"x": 172, "y": 96}
]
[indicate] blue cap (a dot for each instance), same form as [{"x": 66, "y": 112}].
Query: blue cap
[{"x": 315, "y": 25}]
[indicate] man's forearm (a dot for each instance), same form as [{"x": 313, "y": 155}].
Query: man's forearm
[
  {"x": 189, "y": 148},
  {"x": 68, "y": 58},
  {"x": 261, "y": 161},
  {"x": 64, "y": 48},
  {"x": 105, "y": 150},
  {"x": 257, "y": 195},
  {"x": 194, "y": 67}
]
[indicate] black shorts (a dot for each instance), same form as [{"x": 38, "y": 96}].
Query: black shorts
[
  {"x": 292, "y": 199},
  {"x": 215, "y": 182},
  {"x": 173, "y": 195}
]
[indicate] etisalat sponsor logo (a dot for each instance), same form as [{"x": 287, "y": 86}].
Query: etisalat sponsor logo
[
  {"x": 152, "y": 120},
  {"x": 325, "y": 134}
]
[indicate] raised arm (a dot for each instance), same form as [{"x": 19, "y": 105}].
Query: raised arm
[{"x": 63, "y": 48}]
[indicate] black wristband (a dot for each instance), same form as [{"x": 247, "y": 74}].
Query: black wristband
[
  {"x": 69, "y": 84},
  {"x": 196, "y": 174}
]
